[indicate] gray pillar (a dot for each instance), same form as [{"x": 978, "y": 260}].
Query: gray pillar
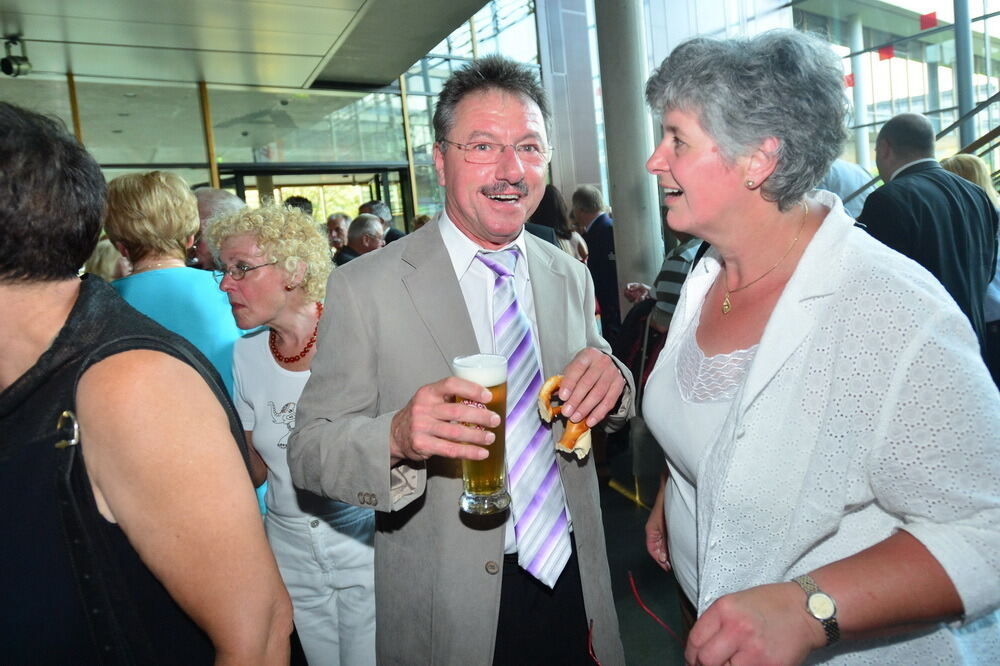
[
  {"x": 861, "y": 87},
  {"x": 629, "y": 140},
  {"x": 963, "y": 71},
  {"x": 933, "y": 95}
]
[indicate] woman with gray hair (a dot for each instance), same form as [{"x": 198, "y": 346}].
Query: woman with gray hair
[
  {"x": 829, "y": 426},
  {"x": 273, "y": 264}
]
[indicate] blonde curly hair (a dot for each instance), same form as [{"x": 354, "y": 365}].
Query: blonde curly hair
[{"x": 287, "y": 235}]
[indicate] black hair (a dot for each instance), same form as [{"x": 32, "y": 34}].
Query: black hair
[
  {"x": 552, "y": 212},
  {"x": 52, "y": 198}
]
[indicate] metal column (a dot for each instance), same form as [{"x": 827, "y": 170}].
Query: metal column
[
  {"x": 628, "y": 135},
  {"x": 963, "y": 71},
  {"x": 861, "y": 88}
]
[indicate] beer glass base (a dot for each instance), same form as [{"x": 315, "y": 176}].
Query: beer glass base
[{"x": 484, "y": 504}]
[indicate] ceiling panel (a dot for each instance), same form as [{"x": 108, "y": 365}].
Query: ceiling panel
[{"x": 287, "y": 43}]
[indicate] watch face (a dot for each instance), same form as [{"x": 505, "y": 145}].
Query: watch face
[{"x": 821, "y": 606}]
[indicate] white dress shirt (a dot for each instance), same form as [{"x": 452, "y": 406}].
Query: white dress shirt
[{"x": 476, "y": 280}]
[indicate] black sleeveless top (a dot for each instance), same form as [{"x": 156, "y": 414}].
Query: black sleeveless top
[{"x": 72, "y": 588}]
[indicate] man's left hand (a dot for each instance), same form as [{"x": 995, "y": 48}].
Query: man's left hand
[{"x": 590, "y": 387}]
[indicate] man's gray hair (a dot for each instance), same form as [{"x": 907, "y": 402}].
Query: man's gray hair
[
  {"x": 782, "y": 83},
  {"x": 377, "y": 208},
  {"x": 588, "y": 198},
  {"x": 364, "y": 224},
  {"x": 491, "y": 72},
  {"x": 213, "y": 202}
]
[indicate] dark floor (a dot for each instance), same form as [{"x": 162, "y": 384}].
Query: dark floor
[{"x": 645, "y": 641}]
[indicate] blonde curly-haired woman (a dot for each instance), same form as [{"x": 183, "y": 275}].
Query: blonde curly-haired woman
[{"x": 273, "y": 265}]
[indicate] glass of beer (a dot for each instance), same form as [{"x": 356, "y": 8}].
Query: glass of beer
[{"x": 485, "y": 486}]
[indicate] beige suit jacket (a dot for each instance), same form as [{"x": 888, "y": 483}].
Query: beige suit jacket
[{"x": 394, "y": 319}]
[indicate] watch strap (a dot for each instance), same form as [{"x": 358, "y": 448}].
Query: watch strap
[{"x": 830, "y": 626}]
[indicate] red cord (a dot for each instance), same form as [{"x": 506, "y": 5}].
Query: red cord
[
  {"x": 590, "y": 644},
  {"x": 638, "y": 599}
]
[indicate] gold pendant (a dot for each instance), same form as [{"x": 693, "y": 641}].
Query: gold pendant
[{"x": 726, "y": 305}]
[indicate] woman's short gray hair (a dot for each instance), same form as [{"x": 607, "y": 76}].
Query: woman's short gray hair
[{"x": 782, "y": 83}]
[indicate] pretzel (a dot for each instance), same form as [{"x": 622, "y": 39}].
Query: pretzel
[{"x": 576, "y": 436}]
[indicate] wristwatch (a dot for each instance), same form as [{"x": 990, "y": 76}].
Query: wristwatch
[{"x": 821, "y": 606}]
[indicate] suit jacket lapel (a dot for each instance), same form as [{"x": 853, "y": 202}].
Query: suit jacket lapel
[
  {"x": 436, "y": 295},
  {"x": 549, "y": 288}
]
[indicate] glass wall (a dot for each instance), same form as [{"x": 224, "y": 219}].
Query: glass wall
[
  {"x": 902, "y": 54},
  {"x": 262, "y": 125},
  {"x": 506, "y": 27}
]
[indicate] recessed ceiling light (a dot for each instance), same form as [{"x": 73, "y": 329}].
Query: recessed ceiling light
[
  {"x": 124, "y": 115},
  {"x": 116, "y": 131},
  {"x": 130, "y": 94}
]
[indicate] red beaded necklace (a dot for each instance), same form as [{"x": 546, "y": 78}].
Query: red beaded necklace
[{"x": 305, "y": 350}]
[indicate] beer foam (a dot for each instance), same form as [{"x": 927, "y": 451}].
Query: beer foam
[{"x": 484, "y": 369}]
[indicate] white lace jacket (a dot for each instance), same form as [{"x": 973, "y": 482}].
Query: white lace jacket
[{"x": 866, "y": 410}]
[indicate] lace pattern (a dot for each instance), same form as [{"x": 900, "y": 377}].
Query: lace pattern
[{"x": 716, "y": 378}]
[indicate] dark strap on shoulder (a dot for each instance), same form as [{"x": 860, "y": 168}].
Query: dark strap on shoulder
[{"x": 702, "y": 249}]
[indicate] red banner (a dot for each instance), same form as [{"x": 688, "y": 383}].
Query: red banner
[
  {"x": 886, "y": 52},
  {"x": 928, "y": 21},
  {"x": 848, "y": 80}
]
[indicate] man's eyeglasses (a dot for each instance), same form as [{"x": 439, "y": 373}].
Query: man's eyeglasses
[
  {"x": 238, "y": 271},
  {"x": 487, "y": 152}
]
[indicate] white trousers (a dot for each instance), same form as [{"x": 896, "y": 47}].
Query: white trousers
[{"x": 328, "y": 568}]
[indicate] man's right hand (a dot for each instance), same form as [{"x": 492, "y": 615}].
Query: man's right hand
[
  {"x": 637, "y": 291},
  {"x": 433, "y": 424}
]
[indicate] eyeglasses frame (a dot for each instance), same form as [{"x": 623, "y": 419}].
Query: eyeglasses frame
[
  {"x": 220, "y": 274},
  {"x": 464, "y": 147}
]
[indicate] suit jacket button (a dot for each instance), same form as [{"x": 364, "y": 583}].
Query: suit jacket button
[
  {"x": 374, "y": 500},
  {"x": 492, "y": 568},
  {"x": 363, "y": 498}
]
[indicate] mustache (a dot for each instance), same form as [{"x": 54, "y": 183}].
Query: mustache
[{"x": 504, "y": 188}]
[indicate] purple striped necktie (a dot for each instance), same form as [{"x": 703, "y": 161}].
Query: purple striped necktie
[{"x": 538, "y": 504}]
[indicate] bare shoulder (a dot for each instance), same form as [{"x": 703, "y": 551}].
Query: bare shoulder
[{"x": 148, "y": 417}]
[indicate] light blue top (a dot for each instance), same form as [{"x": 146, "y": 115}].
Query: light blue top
[{"x": 188, "y": 302}]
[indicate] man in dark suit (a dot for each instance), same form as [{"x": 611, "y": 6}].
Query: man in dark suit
[
  {"x": 363, "y": 236},
  {"x": 941, "y": 221},
  {"x": 597, "y": 229},
  {"x": 380, "y": 209}
]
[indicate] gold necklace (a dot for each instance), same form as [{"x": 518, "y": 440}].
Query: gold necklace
[
  {"x": 150, "y": 267},
  {"x": 726, "y": 303}
]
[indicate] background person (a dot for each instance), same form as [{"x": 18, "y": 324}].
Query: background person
[
  {"x": 301, "y": 203},
  {"x": 975, "y": 170},
  {"x": 934, "y": 217},
  {"x": 107, "y": 262},
  {"x": 336, "y": 231},
  {"x": 274, "y": 264},
  {"x": 152, "y": 219},
  {"x": 598, "y": 231},
  {"x": 212, "y": 203},
  {"x": 381, "y": 210},
  {"x": 820, "y": 398},
  {"x": 363, "y": 236},
  {"x": 552, "y": 212},
  {"x": 138, "y": 539}
]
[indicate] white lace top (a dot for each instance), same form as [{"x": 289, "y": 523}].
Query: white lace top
[
  {"x": 685, "y": 403},
  {"x": 867, "y": 409}
]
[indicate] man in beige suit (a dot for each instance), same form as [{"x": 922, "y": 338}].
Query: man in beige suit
[{"x": 378, "y": 424}]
